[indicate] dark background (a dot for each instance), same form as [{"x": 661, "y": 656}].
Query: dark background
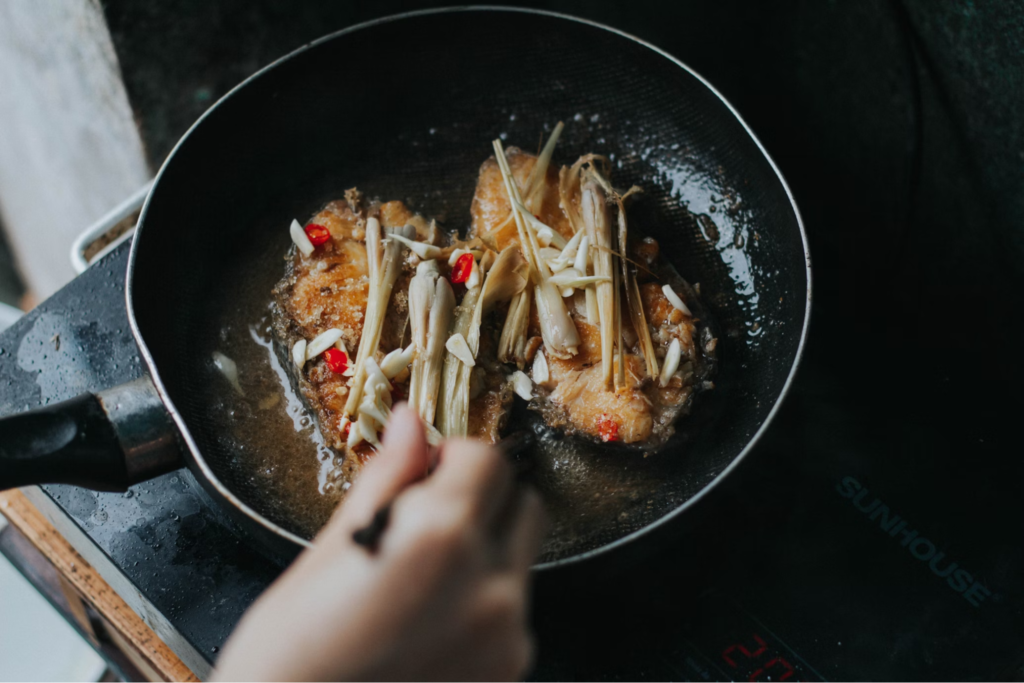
[{"x": 899, "y": 125}]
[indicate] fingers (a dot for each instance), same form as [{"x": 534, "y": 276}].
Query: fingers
[
  {"x": 403, "y": 460},
  {"x": 476, "y": 475},
  {"x": 527, "y": 531}
]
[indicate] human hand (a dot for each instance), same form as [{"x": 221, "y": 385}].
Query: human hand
[{"x": 444, "y": 596}]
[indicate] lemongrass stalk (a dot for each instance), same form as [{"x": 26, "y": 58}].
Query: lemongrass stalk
[
  {"x": 570, "y": 277},
  {"x": 506, "y": 278},
  {"x": 538, "y": 225},
  {"x": 633, "y": 300},
  {"x": 513, "y": 333},
  {"x": 421, "y": 249},
  {"x": 535, "y": 185},
  {"x": 557, "y": 329},
  {"x": 620, "y": 380},
  {"x": 593, "y": 314},
  {"x": 453, "y": 406},
  {"x": 581, "y": 263},
  {"x": 383, "y": 273},
  {"x": 532, "y": 255},
  {"x": 441, "y": 314},
  {"x": 595, "y": 220},
  {"x": 421, "y": 300},
  {"x": 570, "y": 187},
  {"x": 534, "y": 188}
]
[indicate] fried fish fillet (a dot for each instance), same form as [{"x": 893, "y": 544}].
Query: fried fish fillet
[
  {"x": 328, "y": 290},
  {"x": 575, "y": 397}
]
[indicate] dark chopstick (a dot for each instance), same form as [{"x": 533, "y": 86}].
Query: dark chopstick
[
  {"x": 512, "y": 446},
  {"x": 369, "y": 536}
]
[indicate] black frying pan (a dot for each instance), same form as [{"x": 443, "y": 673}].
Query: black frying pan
[{"x": 405, "y": 108}]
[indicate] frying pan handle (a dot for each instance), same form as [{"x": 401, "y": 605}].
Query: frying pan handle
[{"x": 105, "y": 441}]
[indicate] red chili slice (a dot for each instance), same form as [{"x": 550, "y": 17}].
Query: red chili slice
[
  {"x": 337, "y": 360},
  {"x": 317, "y": 234},
  {"x": 608, "y": 429},
  {"x": 462, "y": 269}
]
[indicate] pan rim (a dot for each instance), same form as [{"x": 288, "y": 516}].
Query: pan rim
[{"x": 196, "y": 453}]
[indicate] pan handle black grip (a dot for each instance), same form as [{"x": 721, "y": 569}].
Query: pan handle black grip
[{"x": 105, "y": 441}]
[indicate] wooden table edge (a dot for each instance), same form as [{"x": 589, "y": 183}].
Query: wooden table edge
[{"x": 28, "y": 519}]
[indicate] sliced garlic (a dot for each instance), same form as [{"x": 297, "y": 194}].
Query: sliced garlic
[
  {"x": 545, "y": 235},
  {"x": 557, "y": 265},
  {"x": 322, "y": 342},
  {"x": 580, "y": 263},
  {"x": 366, "y": 429},
  {"x": 299, "y": 353},
  {"x": 570, "y": 250},
  {"x": 675, "y": 353},
  {"x": 567, "y": 274},
  {"x": 522, "y": 385},
  {"x": 422, "y": 249},
  {"x": 354, "y": 436},
  {"x": 373, "y": 410},
  {"x": 340, "y": 345},
  {"x": 376, "y": 381},
  {"x": 455, "y": 256},
  {"x": 397, "y": 360},
  {"x": 541, "y": 373},
  {"x": 474, "y": 276},
  {"x": 570, "y": 277},
  {"x": 674, "y": 299},
  {"x": 458, "y": 347},
  {"x": 384, "y": 394},
  {"x": 300, "y": 238},
  {"x": 229, "y": 369}
]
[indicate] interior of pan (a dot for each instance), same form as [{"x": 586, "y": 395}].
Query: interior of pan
[{"x": 405, "y": 109}]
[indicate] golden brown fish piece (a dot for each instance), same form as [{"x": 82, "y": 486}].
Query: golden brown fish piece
[
  {"x": 491, "y": 210},
  {"x": 623, "y": 414},
  {"x": 575, "y": 395},
  {"x": 328, "y": 290}
]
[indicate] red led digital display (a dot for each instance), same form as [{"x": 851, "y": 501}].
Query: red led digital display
[{"x": 755, "y": 661}]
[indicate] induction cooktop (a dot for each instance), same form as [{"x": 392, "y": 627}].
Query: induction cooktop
[{"x": 875, "y": 533}]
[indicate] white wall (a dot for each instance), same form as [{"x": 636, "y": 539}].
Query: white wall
[{"x": 69, "y": 147}]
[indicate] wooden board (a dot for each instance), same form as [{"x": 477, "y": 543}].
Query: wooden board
[{"x": 155, "y": 657}]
